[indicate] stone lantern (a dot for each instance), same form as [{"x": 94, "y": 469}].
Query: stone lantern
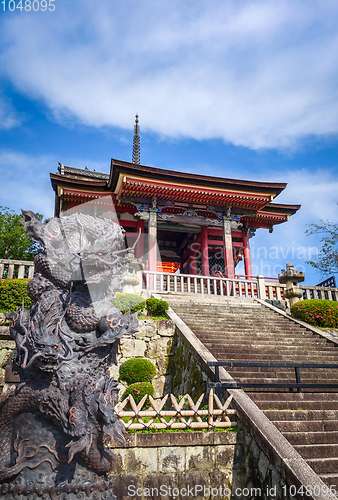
[{"x": 291, "y": 277}]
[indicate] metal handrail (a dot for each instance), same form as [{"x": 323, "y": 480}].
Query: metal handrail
[{"x": 298, "y": 385}]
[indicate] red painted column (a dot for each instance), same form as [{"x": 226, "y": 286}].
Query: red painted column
[
  {"x": 247, "y": 257},
  {"x": 227, "y": 250},
  {"x": 205, "y": 251}
]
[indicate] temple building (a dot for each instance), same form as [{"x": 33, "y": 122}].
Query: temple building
[{"x": 181, "y": 222}]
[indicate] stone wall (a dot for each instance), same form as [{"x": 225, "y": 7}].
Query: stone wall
[
  {"x": 217, "y": 465},
  {"x": 153, "y": 342},
  {"x": 186, "y": 371}
]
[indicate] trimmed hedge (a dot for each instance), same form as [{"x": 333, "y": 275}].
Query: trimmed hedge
[
  {"x": 130, "y": 302},
  {"x": 137, "y": 370},
  {"x": 139, "y": 390},
  {"x": 317, "y": 312},
  {"x": 157, "y": 307},
  {"x": 12, "y": 292}
]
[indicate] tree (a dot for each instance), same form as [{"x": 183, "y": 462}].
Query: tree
[
  {"x": 14, "y": 242},
  {"x": 327, "y": 261}
]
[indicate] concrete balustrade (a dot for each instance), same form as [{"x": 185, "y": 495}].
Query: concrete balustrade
[
  {"x": 25, "y": 269},
  {"x": 212, "y": 285}
]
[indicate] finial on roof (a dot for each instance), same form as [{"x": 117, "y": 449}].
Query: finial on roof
[{"x": 136, "y": 142}]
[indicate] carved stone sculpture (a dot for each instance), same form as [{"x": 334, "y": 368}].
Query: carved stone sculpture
[{"x": 55, "y": 425}]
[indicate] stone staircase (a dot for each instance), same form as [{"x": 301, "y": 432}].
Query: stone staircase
[{"x": 245, "y": 330}]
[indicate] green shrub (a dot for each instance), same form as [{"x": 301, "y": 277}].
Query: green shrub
[
  {"x": 129, "y": 301},
  {"x": 139, "y": 390},
  {"x": 157, "y": 307},
  {"x": 137, "y": 370},
  {"x": 12, "y": 292},
  {"x": 317, "y": 312}
]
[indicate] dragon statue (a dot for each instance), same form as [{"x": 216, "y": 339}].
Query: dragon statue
[{"x": 56, "y": 424}]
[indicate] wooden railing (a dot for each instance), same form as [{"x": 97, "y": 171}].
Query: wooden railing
[
  {"x": 179, "y": 417},
  {"x": 10, "y": 269},
  {"x": 212, "y": 285}
]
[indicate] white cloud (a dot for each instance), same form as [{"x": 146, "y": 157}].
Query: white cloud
[
  {"x": 25, "y": 182},
  {"x": 254, "y": 73},
  {"x": 8, "y": 116},
  {"x": 316, "y": 192}
]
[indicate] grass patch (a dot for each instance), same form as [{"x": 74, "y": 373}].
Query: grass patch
[{"x": 153, "y": 430}]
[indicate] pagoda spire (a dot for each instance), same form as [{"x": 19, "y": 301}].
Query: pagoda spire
[{"x": 136, "y": 142}]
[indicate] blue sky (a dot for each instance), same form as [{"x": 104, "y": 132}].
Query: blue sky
[{"x": 243, "y": 89}]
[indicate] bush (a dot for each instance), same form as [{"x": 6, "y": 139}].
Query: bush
[
  {"x": 12, "y": 292},
  {"x": 129, "y": 301},
  {"x": 157, "y": 307},
  {"x": 137, "y": 370},
  {"x": 139, "y": 390},
  {"x": 317, "y": 312}
]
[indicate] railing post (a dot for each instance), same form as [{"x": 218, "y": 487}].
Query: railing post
[
  {"x": 298, "y": 378},
  {"x": 30, "y": 272},
  {"x": 261, "y": 293},
  {"x": 10, "y": 271},
  {"x": 2, "y": 266},
  {"x": 218, "y": 389},
  {"x": 21, "y": 272}
]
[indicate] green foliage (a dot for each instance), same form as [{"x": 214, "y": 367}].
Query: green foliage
[
  {"x": 157, "y": 307},
  {"x": 317, "y": 312},
  {"x": 15, "y": 244},
  {"x": 12, "y": 292},
  {"x": 139, "y": 390},
  {"x": 327, "y": 260},
  {"x": 129, "y": 301},
  {"x": 137, "y": 370}
]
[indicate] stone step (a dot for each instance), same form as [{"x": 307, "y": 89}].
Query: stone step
[
  {"x": 297, "y": 438},
  {"x": 304, "y": 344},
  {"x": 223, "y": 355},
  {"x": 279, "y": 415},
  {"x": 305, "y": 425},
  {"x": 280, "y": 380},
  {"x": 314, "y": 451},
  {"x": 255, "y": 370},
  {"x": 296, "y": 405},
  {"x": 330, "y": 480},
  {"x": 194, "y": 318},
  {"x": 324, "y": 465},
  {"x": 294, "y": 396},
  {"x": 252, "y": 371},
  {"x": 254, "y": 348},
  {"x": 256, "y": 358},
  {"x": 269, "y": 334}
]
